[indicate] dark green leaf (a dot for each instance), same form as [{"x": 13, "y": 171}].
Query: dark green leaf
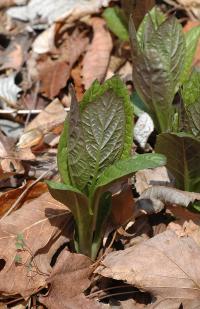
[
  {"x": 183, "y": 159},
  {"x": 191, "y": 98},
  {"x": 139, "y": 106},
  {"x": 126, "y": 168},
  {"x": 193, "y": 113},
  {"x": 157, "y": 67},
  {"x": 115, "y": 21},
  {"x": 62, "y": 155},
  {"x": 191, "y": 89},
  {"x": 153, "y": 82},
  {"x": 76, "y": 148},
  {"x": 170, "y": 42},
  {"x": 106, "y": 130},
  {"x": 157, "y": 18},
  {"x": 104, "y": 209},
  {"x": 192, "y": 37}
]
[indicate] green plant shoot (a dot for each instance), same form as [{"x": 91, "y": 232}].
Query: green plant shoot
[{"x": 93, "y": 153}]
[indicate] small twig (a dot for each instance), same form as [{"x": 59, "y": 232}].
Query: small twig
[
  {"x": 34, "y": 102},
  {"x": 92, "y": 295},
  {"x": 25, "y": 111},
  {"x": 14, "y": 206},
  {"x": 117, "y": 294}
]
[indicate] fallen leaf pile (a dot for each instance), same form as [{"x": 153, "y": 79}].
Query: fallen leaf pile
[{"x": 151, "y": 250}]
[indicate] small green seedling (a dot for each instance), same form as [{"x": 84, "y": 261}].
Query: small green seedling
[{"x": 94, "y": 153}]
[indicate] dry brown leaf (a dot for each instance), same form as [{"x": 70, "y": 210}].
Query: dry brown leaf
[
  {"x": 7, "y": 199},
  {"x": 142, "y": 266},
  {"x": 96, "y": 60},
  {"x": 45, "y": 225},
  {"x": 78, "y": 85},
  {"x": 68, "y": 280},
  {"x": 54, "y": 74}
]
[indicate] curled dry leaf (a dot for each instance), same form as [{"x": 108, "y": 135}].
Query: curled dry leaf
[
  {"x": 38, "y": 229},
  {"x": 68, "y": 280},
  {"x": 8, "y": 92},
  {"x": 96, "y": 60},
  {"x": 170, "y": 195},
  {"x": 143, "y": 129},
  {"x": 142, "y": 266},
  {"x": 7, "y": 199},
  {"x": 44, "y": 42}
]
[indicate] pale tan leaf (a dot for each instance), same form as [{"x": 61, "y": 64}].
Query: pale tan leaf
[
  {"x": 53, "y": 115},
  {"x": 44, "y": 225},
  {"x": 151, "y": 177},
  {"x": 68, "y": 280},
  {"x": 96, "y": 60},
  {"x": 166, "y": 266},
  {"x": 44, "y": 42},
  {"x": 56, "y": 10}
]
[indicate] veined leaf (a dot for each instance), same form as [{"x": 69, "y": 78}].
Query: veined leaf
[
  {"x": 157, "y": 18},
  {"x": 106, "y": 124},
  {"x": 153, "y": 82},
  {"x": 192, "y": 38},
  {"x": 193, "y": 113},
  {"x": 171, "y": 48},
  {"x": 183, "y": 158},
  {"x": 116, "y": 22},
  {"x": 76, "y": 149},
  {"x": 157, "y": 67},
  {"x": 126, "y": 168},
  {"x": 191, "y": 98},
  {"x": 191, "y": 89}
]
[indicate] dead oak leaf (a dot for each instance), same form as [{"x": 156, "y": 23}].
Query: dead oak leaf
[
  {"x": 41, "y": 226},
  {"x": 54, "y": 74},
  {"x": 68, "y": 280},
  {"x": 166, "y": 266},
  {"x": 96, "y": 60}
]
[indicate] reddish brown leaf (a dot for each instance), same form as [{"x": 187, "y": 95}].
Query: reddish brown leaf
[
  {"x": 68, "y": 281},
  {"x": 8, "y": 198},
  {"x": 122, "y": 206},
  {"x": 44, "y": 225},
  {"x": 54, "y": 74},
  {"x": 96, "y": 60}
]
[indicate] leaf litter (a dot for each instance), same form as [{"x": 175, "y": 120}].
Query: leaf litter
[{"x": 45, "y": 46}]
